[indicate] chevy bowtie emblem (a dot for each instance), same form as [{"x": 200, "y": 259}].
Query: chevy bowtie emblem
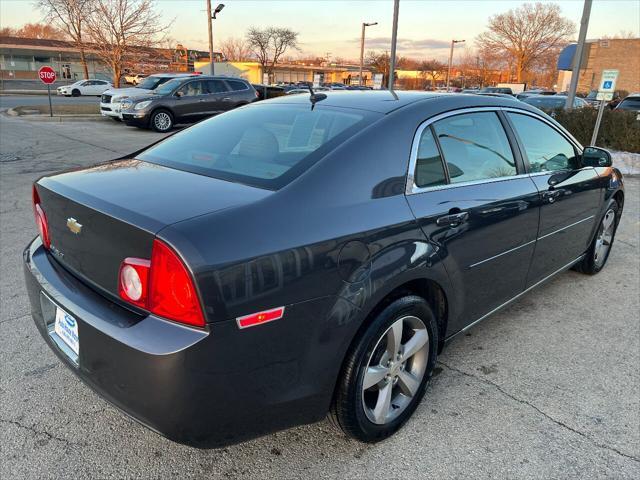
[{"x": 73, "y": 225}]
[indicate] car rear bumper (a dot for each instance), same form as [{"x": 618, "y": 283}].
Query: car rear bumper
[{"x": 202, "y": 387}]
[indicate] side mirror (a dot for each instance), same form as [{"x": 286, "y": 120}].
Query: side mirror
[{"x": 596, "y": 157}]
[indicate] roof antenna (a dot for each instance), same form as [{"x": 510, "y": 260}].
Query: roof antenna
[{"x": 315, "y": 97}]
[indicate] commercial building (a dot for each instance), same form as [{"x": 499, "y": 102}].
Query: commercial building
[{"x": 622, "y": 54}]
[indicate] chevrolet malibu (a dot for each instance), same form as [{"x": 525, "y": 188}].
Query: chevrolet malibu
[{"x": 306, "y": 255}]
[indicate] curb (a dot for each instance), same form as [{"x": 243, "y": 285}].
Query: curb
[
  {"x": 26, "y": 92},
  {"x": 64, "y": 118}
]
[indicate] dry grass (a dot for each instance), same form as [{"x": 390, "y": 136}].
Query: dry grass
[{"x": 59, "y": 109}]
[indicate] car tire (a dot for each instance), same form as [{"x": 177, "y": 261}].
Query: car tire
[
  {"x": 161, "y": 121},
  {"x": 75, "y": 92},
  {"x": 598, "y": 253},
  {"x": 375, "y": 394},
  {"x": 116, "y": 119}
]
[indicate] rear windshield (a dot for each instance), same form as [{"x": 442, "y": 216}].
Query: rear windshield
[{"x": 262, "y": 145}]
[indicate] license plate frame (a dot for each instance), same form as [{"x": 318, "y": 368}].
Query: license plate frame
[{"x": 62, "y": 328}]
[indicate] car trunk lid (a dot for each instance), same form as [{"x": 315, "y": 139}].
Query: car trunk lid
[{"x": 100, "y": 215}]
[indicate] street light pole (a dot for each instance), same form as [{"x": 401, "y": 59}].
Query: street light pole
[
  {"x": 364, "y": 25},
  {"x": 210, "y": 19},
  {"x": 210, "y": 25},
  {"x": 453, "y": 42},
  {"x": 394, "y": 40},
  {"x": 577, "y": 58}
]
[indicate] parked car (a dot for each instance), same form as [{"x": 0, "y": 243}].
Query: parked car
[
  {"x": 552, "y": 102},
  {"x": 110, "y": 99},
  {"x": 530, "y": 93},
  {"x": 505, "y": 90},
  {"x": 295, "y": 91},
  {"x": 134, "y": 78},
  {"x": 270, "y": 90},
  {"x": 84, "y": 87},
  {"x": 288, "y": 259},
  {"x": 630, "y": 102},
  {"x": 494, "y": 94},
  {"x": 186, "y": 100}
]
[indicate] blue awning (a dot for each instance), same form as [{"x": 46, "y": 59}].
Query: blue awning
[{"x": 565, "y": 59}]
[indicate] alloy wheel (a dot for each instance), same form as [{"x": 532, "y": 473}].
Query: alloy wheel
[
  {"x": 162, "y": 121},
  {"x": 395, "y": 370},
  {"x": 604, "y": 238}
]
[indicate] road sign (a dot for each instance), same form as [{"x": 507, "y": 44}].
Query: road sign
[
  {"x": 608, "y": 81},
  {"x": 47, "y": 75},
  {"x": 607, "y": 97}
]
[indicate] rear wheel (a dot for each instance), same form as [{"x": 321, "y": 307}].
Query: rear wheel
[
  {"x": 600, "y": 248},
  {"x": 75, "y": 92},
  {"x": 386, "y": 372},
  {"x": 161, "y": 121}
]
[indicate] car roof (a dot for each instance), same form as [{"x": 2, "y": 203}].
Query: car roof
[{"x": 381, "y": 101}]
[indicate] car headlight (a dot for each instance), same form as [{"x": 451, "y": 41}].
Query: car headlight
[
  {"x": 126, "y": 104},
  {"x": 141, "y": 105}
]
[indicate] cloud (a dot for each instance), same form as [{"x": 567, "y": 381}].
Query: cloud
[{"x": 378, "y": 43}]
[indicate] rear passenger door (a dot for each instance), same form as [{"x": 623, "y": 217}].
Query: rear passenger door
[
  {"x": 470, "y": 194},
  {"x": 218, "y": 97},
  {"x": 570, "y": 195}
]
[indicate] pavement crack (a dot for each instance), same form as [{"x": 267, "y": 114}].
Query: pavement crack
[
  {"x": 14, "y": 318},
  {"x": 627, "y": 243},
  {"x": 42, "y": 433},
  {"x": 541, "y": 412}
]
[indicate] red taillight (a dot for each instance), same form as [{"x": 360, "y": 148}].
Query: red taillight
[
  {"x": 163, "y": 286},
  {"x": 260, "y": 317},
  {"x": 41, "y": 219}
]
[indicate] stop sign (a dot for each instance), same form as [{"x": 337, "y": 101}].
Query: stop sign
[{"x": 47, "y": 75}]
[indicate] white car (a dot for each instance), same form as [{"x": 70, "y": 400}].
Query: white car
[
  {"x": 84, "y": 87},
  {"x": 134, "y": 78},
  {"x": 111, "y": 99}
]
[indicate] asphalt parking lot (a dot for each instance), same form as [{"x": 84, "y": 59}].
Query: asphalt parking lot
[{"x": 547, "y": 388}]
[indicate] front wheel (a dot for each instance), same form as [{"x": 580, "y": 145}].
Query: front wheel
[
  {"x": 161, "y": 121},
  {"x": 75, "y": 92},
  {"x": 600, "y": 248},
  {"x": 386, "y": 371}
]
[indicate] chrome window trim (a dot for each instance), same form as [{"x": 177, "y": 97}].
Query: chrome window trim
[{"x": 411, "y": 188}]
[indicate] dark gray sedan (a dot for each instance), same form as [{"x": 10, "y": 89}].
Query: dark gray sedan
[{"x": 309, "y": 254}]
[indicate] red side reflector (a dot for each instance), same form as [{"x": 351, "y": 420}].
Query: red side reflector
[{"x": 260, "y": 317}]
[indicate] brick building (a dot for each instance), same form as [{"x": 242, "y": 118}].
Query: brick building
[{"x": 605, "y": 54}]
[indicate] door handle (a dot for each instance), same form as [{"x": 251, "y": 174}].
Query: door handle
[
  {"x": 452, "y": 220},
  {"x": 225, "y": 99},
  {"x": 551, "y": 195}
]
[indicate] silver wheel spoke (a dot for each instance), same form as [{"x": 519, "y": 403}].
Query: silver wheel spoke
[
  {"x": 394, "y": 337},
  {"x": 408, "y": 383},
  {"x": 374, "y": 375},
  {"x": 608, "y": 220},
  {"x": 381, "y": 410},
  {"x": 415, "y": 343},
  {"x": 606, "y": 238}
]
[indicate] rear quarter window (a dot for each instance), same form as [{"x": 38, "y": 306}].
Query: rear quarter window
[{"x": 263, "y": 145}]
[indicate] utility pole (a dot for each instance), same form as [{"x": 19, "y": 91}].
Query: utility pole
[
  {"x": 394, "y": 40},
  {"x": 210, "y": 25},
  {"x": 577, "y": 56},
  {"x": 364, "y": 25},
  {"x": 453, "y": 42}
]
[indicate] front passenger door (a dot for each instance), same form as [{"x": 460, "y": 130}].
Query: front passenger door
[
  {"x": 570, "y": 195},
  {"x": 192, "y": 104}
]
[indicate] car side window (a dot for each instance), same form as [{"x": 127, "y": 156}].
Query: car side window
[
  {"x": 546, "y": 148},
  {"x": 192, "y": 89},
  {"x": 216, "y": 86},
  {"x": 236, "y": 85},
  {"x": 475, "y": 147},
  {"x": 429, "y": 167}
]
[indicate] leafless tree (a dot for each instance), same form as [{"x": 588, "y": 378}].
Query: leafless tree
[
  {"x": 526, "y": 34},
  {"x": 432, "y": 69},
  {"x": 270, "y": 44},
  {"x": 121, "y": 30},
  {"x": 235, "y": 49},
  {"x": 69, "y": 16},
  {"x": 35, "y": 30}
]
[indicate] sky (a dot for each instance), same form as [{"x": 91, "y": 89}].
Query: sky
[{"x": 425, "y": 27}]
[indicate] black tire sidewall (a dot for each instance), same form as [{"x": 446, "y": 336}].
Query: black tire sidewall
[
  {"x": 351, "y": 416},
  {"x": 75, "y": 93}
]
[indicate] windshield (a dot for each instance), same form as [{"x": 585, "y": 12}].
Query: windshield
[
  {"x": 546, "y": 102},
  {"x": 150, "y": 83},
  {"x": 630, "y": 104},
  {"x": 263, "y": 145},
  {"x": 168, "y": 87}
]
